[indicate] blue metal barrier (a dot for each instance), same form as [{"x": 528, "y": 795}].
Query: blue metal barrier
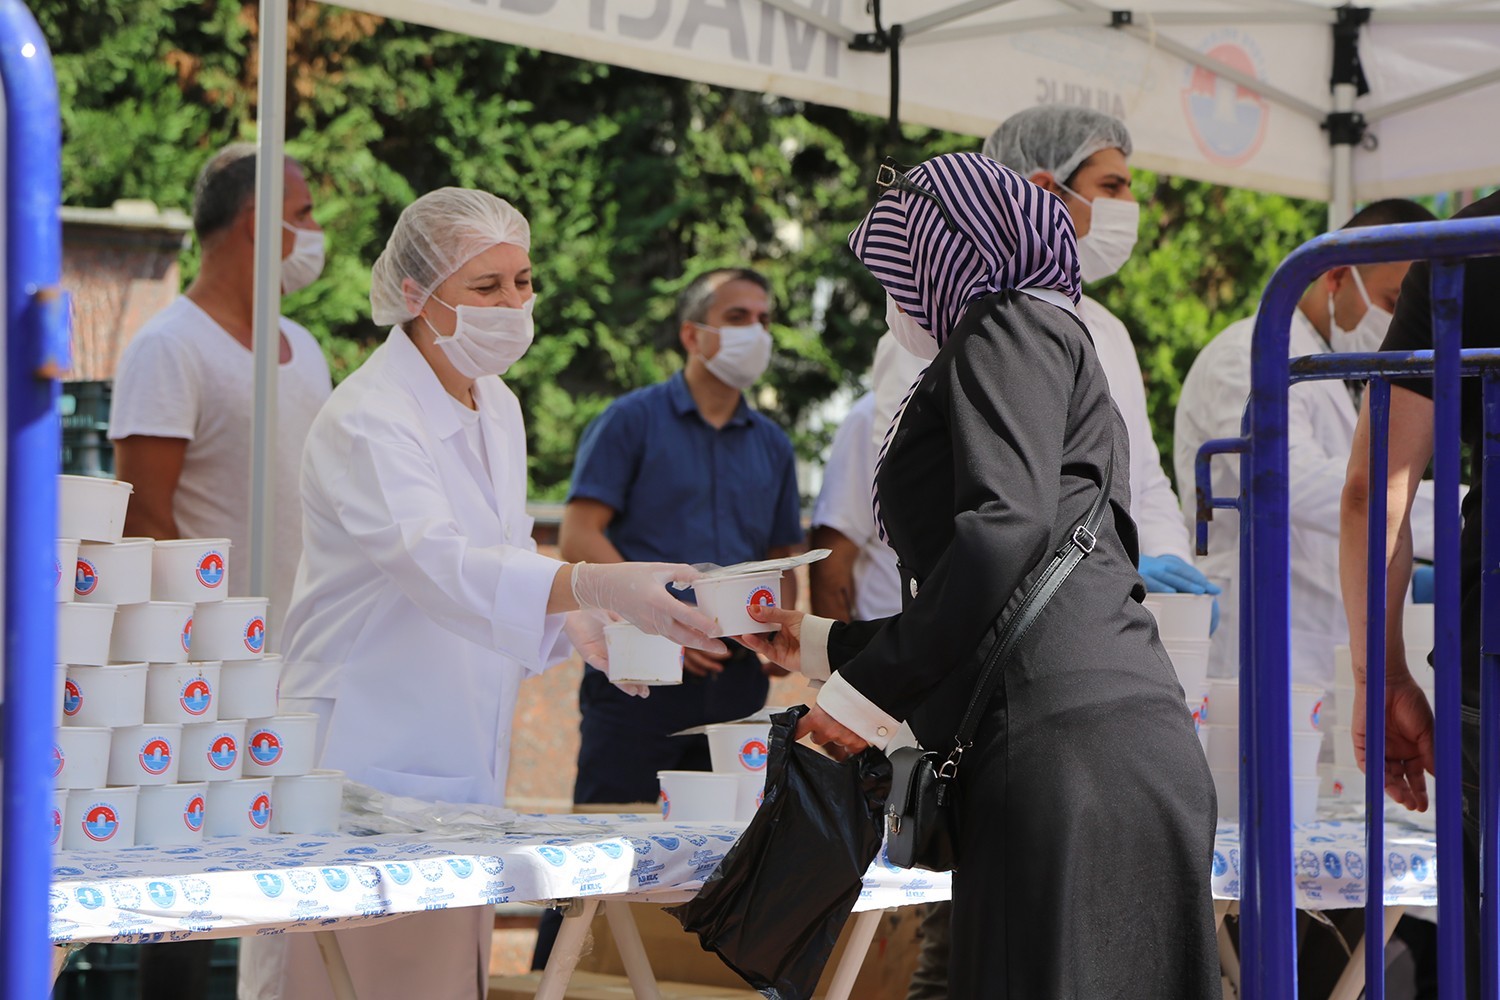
[
  {"x": 1268, "y": 944},
  {"x": 36, "y": 355}
]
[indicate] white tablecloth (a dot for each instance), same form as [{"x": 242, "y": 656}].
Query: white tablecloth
[{"x": 247, "y": 885}]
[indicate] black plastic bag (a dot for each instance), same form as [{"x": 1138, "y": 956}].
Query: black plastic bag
[{"x": 774, "y": 906}]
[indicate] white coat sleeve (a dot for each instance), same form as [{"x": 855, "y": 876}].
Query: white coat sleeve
[
  {"x": 390, "y": 500},
  {"x": 1316, "y": 474}
]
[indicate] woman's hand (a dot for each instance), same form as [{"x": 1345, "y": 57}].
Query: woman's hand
[
  {"x": 585, "y": 630},
  {"x": 836, "y": 739},
  {"x": 637, "y": 592},
  {"x": 1408, "y": 740},
  {"x": 783, "y": 647}
]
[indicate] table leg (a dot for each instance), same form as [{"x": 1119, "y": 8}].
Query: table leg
[
  {"x": 632, "y": 951},
  {"x": 1221, "y": 910},
  {"x": 333, "y": 961},
  {"x": 567, "y": 949},
  {"x": 860, "y": 936},
  {"x": 1352, "y": 983}
]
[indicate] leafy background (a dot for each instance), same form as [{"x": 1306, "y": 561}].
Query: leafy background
[{"x": 632, "y": 182}]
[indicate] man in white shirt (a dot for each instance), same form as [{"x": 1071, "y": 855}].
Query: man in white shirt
[
  {"x": 1347, "y": 309},
  {"x": 1081, "y": 156},
  {"x": 184, "y": 392}
]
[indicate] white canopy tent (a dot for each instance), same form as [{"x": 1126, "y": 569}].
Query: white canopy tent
[{"x": 1300, "y": 97}]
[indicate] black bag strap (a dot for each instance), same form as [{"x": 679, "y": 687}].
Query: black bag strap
[{"x": 1072, "y": 552}]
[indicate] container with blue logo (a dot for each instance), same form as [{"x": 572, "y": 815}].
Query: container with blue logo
[
  {"x": 91, "y": 509},
  {"x": 113, "y": 695},
  {"x": 113, "y": 572},
  {"x": 248, "y": 688},
  {"x": 145, "y": 755},
  {"x": 154, "y": 632},
  {"x": 100, "y": 819},
  {"x": 280, "y": 746},
  {"x": 182, "y": 692},
  {"x": 739, "y": 747},
  {"x": 191, "y": 570},
  {"x": 309, "y": 803},
  {"x": 231, "y": 629},
  {"x": 171, "y": 815},
  {"x": 213, "y": 751},
  {"x": 80, "y": 756},
  {"x": 239, "y": 808},
  {"x": 63, "y": 569}
]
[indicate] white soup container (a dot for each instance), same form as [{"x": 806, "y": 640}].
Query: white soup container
[
  {"x": 308, "y": 803},
  {"x": 171, "y": 815},
  {"x": 155, "y": 632},
  {"x": 84, "y": 633},
  {"x": 59, "y": 810},
  {"x": 1307, "y": 708},
  {"x": 281, "y": 745},
  {"x": 80, "y": 756},
  {"x": 726, "y": 600},
  {"x": 191, "y": 570},
  {"x": 212, "y": 751},
  {"x": 66, "y": 567},
  {"x": 1181, "y": 616},
  {"x": 182, "y": 692},
  {"x": 1222, "y": 745},
  {"x": 91, "y": 509},
  {"x": 239, "y": 808},
  {"x": 248, "y": 688},
  {"x": 231, "y": 629},
  {"x": 1305, "y": 798},
  {"x": 1222, "y": 706},
  {"x": 1342, "y": 737},
  {"x": 636, "y": 657},
  {"x": 1190, "y": 661},
  {"x": 698, "y": 796},
  {"x": 739, "y": 747},
  {"x": 114, "y": 572},
  {"x": 111, "y": 695},
  {"x": 145, "y": 755},
  {"x": 100, "y": 819},
  {"x": 752, "y": 790}
]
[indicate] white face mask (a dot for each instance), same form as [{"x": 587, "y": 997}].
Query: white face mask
[
  {"x": 487, "y": 340},
  {"x": 910, "y": 334},
  {"x": 744, "y": 354},
  {"x": 1368, "y": 334},
  {"x": 1113, "y": 226},
  {"x": 302, "y": 266}
]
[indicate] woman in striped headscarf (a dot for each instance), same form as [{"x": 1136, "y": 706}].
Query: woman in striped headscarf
[{"x": 1086, "y": 807}]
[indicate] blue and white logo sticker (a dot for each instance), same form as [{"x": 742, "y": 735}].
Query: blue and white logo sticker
[
  {"x": 161, "y": 893},
  {"x": 85, "y": 578},
  {"x": 265, "y": 747},
  {"x": 197, "y": 694},
  {"x": 72, "y": 697},
  {"x": 210, "y": 569}
]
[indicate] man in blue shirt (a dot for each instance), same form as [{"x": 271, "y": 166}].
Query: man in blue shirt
[{"x": 683, "y": 471}]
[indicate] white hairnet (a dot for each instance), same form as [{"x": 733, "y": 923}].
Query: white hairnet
[
  {"x": 1056, "y": 138},
  {"x": 436, "y": 235}
]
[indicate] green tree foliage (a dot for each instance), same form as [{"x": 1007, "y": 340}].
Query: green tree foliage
[{"x": 632, "y": 182}]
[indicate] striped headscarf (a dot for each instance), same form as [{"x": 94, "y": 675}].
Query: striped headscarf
[{"x": 1011, "y": 234}]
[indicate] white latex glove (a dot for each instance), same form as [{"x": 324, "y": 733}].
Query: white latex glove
[
  {"x": 585, "y": 630},
  {"x": 637, "y": 592}
]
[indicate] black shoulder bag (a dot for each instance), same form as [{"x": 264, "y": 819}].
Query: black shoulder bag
[{"x": 920, "y": 825}]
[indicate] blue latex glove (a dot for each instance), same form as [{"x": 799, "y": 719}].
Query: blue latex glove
[
  {"x": 1171, "y": 575},
  {"x": 1423, "y": 585}
]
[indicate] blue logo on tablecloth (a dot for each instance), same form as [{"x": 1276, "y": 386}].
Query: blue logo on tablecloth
[
  {"x": 1396, "y": 864},
  {"x": 612, "y": 849},
  {"x": 72, "y": 697},
  {"x": 269, "y": 884},
  {"x": 57, "y": 901},
  {"x": 161, "y": 893},
  {"x": 211, "y": 569},
  {"x": 85, "y": 578},
  {"x": 670, "y": 843},
  {"x": 89, "y": 897},
  {"x": 222, "y": 753},
  {"x": 265, "y": 747},
  {"x": 1221, "y": 865},
  {"x": 367, "y": 876},
  {"x": 492, "y": 866},
  {"x": 1355, "y": 864},
  {"x": 1419, "y": 868},
  {"x": 430, "y": 870},
  {"x": 302, "y": 880},
  {"x": 696, "y": 839},
  {"x": 583, "y": 852},
  {"x": 552, "y": 856},
  {"x": 1307, "y": 865},
  {"x": 1331, "y": 864},
  {"x": 156, "y": 756},
  {"x": 196, "y": 696},
  {"x": 336, "y": 878},
  {"x": 753, "y": 754},
  {"x": 462, "y": 867},
  {"x": 400, "y": 874},
  {"x": 100, "y": 822},
  {"x": 66, "y": 871},
  {"x": 641, "y": 847}
]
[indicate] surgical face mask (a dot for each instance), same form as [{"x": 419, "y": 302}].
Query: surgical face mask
[
  {"x": 910, "y": 334},
  {"x": 302, "y": 266},
  {"x": 1365, "y": 336},
  {"x": 487, "y": 340},
  {"x": 1113, "y": 226},
  {"x": 744, "y": 354}
]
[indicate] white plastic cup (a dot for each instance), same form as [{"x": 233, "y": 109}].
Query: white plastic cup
[
  {"x": 213, "y": 751},
  {"x": 84, "y": 633},
  {"x": 752, "y": 790},
  {"x": 1221, "y": 743},
  {"x": 231, "y": 629},
  {"x": 155, "y": 632},
  {"x": 100, "y": 819},
  {"x": 1305, "y": 798},
  {"x": 91, "y": 509},
  {"x": 66, "y": 567},
  {"x": 80, "y": 756},
  {"x": 1342, "y": 737},
  {"x": 1307, "y": 708},
  {"x": 59, "y": 810},
  {"x": 1190, "y": 660},
  {"x": 1227, "y": 787},
  {"x": 171, "y": 815},
  {"x": 308, "y": 803},
  {"x": 280, "y": 746},
  {"x": 1223, "y": 703},
  {"x": 145, "y": 755},
  {"x": 636, "y": 657},
  {"x": 1181, "y": 616},
  {"x": 239, "y": 808},
  {"x": 698, "y": 796},
  {"x": 111, "y": 695},
  {"x": 1305, "y": 750},
  {"x": 113, "y": 572},
  {"x": 247, "y": 688},
  {"x": 727, "y": 601},
  {"x": 1344, "y": 787},
  {"x": 182, "y": 692},
  {"x": 190, "y": 570},
  {"x": 740, "y": 747}
]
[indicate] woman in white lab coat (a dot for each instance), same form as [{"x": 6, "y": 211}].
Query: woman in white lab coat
[{"x": 420, "y": 601}]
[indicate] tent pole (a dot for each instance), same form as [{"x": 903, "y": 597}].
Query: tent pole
[
  {"x": 1344, "y": 125},
  {"x": 1341, "y": 182},
  {"x": 270, "y": 173}
]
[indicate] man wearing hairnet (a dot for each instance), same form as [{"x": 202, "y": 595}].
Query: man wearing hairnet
[{"x": 421, "y": 601}]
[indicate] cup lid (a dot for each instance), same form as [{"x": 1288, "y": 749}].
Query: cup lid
[{"x": 713, "y": 571}]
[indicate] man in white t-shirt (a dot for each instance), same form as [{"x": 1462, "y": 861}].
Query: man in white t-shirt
[{"x": 184, "y": 391}]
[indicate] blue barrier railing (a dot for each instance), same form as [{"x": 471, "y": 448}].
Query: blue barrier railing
[
  {"x": 36, "y": 349},
  {"x": 1268, "y": 934}
]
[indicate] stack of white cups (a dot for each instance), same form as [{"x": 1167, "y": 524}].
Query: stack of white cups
[{"x": 1183, "y": 622}]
